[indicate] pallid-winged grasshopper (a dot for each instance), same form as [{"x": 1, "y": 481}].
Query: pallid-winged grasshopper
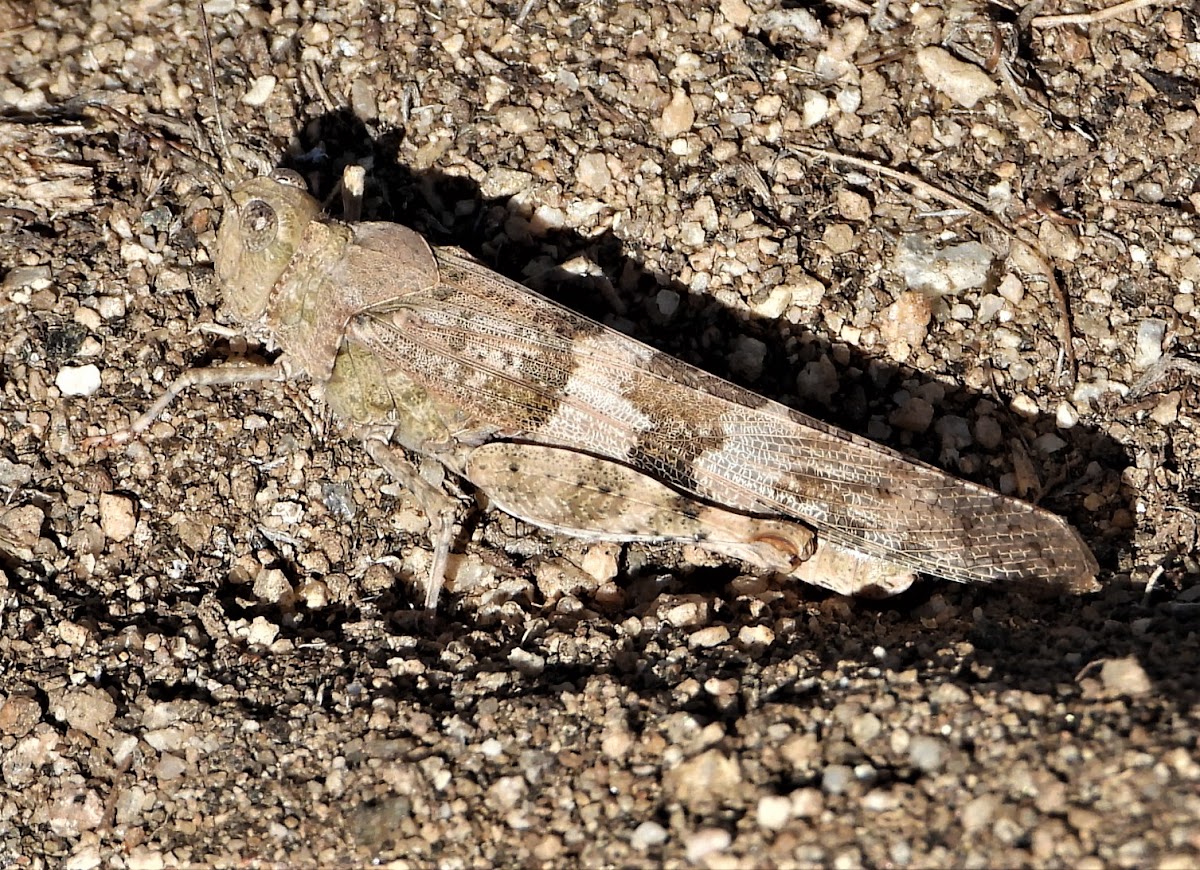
[{"x": 581, "y": 430}]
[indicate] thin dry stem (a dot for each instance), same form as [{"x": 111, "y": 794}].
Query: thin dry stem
[{"x": 1084, "y": 19}]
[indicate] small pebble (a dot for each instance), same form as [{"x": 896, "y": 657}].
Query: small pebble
[
  {"x": 964, "y": 83},
  {"x": 865, "y": 728},
  {"x": 905, "y": 323},
  {"x": 942, "y": 271},
  {"x": 502, "y": 182},
  {"x": 667, "y": 302},
  {"x": 736, "y": 12},
  {"x": 805, "y": 25},
  {"x": 273, "y": 587},
  {"x": 747, "y": 357},
  {"x": 774, "y": 812},
  {"x": 989, "y": 306},
  {"x": 1048, "y": 443},
  {"x": 516, "y": 119},
  {"x": 77, "y": 380},
  {"x": 592, "y": 172},
  {"x": 699, "y": 781},
  {"x": 262, "y": 632},
  {"x": 977, "y": 814},
  {"x": 853, "y": 206},
  {"x": 705, "y": 842},
  {"x": 600, "y": 562},
  {"x": 260, "y": 91},
  {"x": 647, "y": 835},
  {"x": 18, "y": 715},
  {"x": 686, "y": 615},
  {"x": 678, "y": 117},
  {"x": 706, "y": 638},
  {"x": 815, "y": 108},
  {"x": 836, "y": 778},
  {"x": 1149, "y": 348},
  {"x": 118, "y": 516},
  {"x": 914, "y": 415},
  {"x": 1025, "y": 406},
  {"x": 772, "y": 305},
  {"x": 1125, "y": 676},
  {"x": 818, "y": 381},
  {"x": 926, "y": 753},
  {"x": 755, "y": 636},
  {"x": 880, "y": 801},
  {"x": 1065, "y": 415},
  {"x": 88, "y": 709},
  {"x": 807, "y": 803}
]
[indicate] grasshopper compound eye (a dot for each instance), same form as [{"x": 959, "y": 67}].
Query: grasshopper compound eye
[{"x": 259, "y": 225}]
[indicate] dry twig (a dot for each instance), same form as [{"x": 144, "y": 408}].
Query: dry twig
[{"x": 1083, "y": 19}]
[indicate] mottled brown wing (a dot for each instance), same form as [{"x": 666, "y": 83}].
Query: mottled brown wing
[{"x": 532, "y": 369}]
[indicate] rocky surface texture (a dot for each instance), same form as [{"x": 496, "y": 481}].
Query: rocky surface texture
[{"x": 211, "y": 650}]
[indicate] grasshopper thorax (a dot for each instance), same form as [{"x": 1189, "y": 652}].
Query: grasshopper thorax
[{"x": 263, "y": 225}]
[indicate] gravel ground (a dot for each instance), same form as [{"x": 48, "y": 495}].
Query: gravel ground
[{"x": 210, "y": 645}]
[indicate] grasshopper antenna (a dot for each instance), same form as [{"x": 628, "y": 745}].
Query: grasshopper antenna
[{"x": 212, "y": 85}]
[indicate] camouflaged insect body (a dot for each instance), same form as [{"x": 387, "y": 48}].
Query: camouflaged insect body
[{"x": 581, "y": 430}]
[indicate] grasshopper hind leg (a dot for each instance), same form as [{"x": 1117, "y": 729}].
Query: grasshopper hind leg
[{"x": 588, "y": 497}]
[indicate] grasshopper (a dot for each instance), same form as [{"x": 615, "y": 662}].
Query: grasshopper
[{"x": 581, "y": 430}]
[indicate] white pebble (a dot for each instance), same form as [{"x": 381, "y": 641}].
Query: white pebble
[
  {"x": 502, "y": 182},
  {"x": 989, "y": 306},
  {"x": 836, "y": 778},
  {"x": 774, "y": 812},
  {"x": 686, "y": 615},
  {"x": 592, "y": 172},
  {"x": 804, "y": 23},
  {"x": 1011, "y": 289},
  {"x": 707, "y": 638},
  {"x": 647, "y": 835},
  {"x": 1065, "y": 415},
  {"x": 849, "y": 100},
  {"x": 78, "y": 380},
  {"x": 772, "y": 305},
  {"x": 272, "y": 586},
  {"x": 964, "y": 83},
  {"x": 816, "y": 108},
  {"x": 118, "y": 516},
  {"x": 1149, "y": 348},
  {"x": 705, "y": 842},
  {"x": 927, "y": 753},
  {"x": 260, "y": 91},
  {"x": 1125, "y": 677},
  {"x": 262, "y": 632},
  {"x": 945, "y": 271}
]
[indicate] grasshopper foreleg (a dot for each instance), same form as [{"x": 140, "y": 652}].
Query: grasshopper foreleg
[{"x": 201, "y": 377}]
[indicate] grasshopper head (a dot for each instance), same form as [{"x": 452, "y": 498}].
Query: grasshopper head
[{"x": 263, "y": 225}]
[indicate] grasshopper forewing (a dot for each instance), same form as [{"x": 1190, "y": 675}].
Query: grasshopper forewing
[{"x": 520, "y": 366}]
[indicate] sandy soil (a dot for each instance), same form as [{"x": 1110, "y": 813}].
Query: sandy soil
[{"x": 210, "y": 645}]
